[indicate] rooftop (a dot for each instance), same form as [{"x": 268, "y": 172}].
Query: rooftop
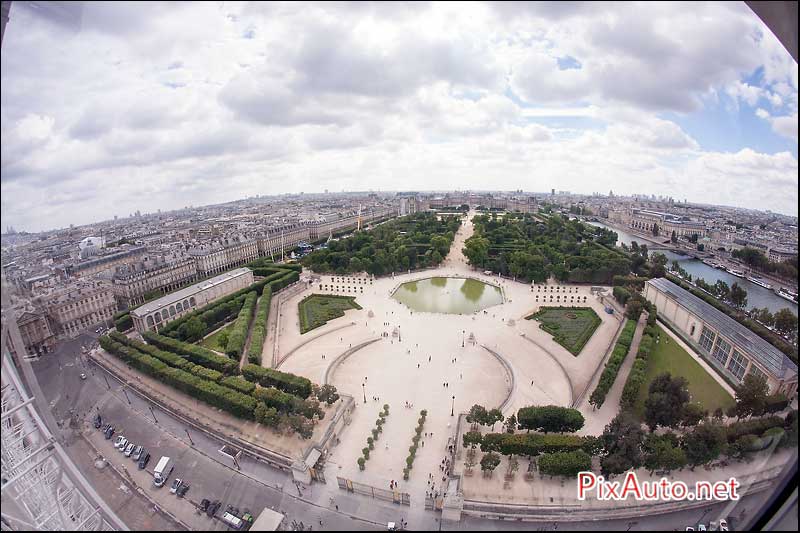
[
  {"x": 778, "y": 364},
  {"x": 186, "y": 292}
]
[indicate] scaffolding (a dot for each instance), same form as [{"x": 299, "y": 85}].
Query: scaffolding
[{"x": 41, "y": 487}]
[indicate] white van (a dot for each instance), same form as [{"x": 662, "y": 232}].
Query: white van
[
  {"x": 162, "y": 471},
  {"x": 232, "y": 520}
]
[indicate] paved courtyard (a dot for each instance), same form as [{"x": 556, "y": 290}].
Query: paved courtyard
[{"x": 415, "y": 354}]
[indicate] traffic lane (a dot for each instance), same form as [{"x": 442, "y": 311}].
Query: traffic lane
[
  {"x": 58, "y": 374},
  {"x": 210, "y": 445},
  {"x": 207, "y": 478},
  {"x": 133, "y": 509}
]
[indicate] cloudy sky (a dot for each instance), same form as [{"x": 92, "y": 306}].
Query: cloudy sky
[{"x": 128, "y": 106}]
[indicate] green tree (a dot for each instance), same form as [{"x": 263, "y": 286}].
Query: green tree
[
  {"x": 764, "y": 316},
  {"x": 665, "y": 402},
  {"x": 492, "y": 417},
  {"x": 489, "y": 462},
  {"x": 477, "y": 415},
  {"x": 622, "y": 441},
  {"x": 550, "y": 419},
  {"x": 656, "y": 230},
  {"x": 693, "y": 413},
  {"x": 704, "y": 444},
  {"x": 786, "y": 323},
  {"x": 738, "y": 296},
  {"x": 194, "y": 329},
  {"x": 674, "y": 237},
  {"x": 721, "y": 289},
  {"x": 476, "y": 250},
  {"x": 751, "y": 395},
  {"x": 510, "y": 424},
  {"x": 663, "y": 452}
]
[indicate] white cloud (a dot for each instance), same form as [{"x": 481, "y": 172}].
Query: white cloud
[{"x": 351, "y": 95}]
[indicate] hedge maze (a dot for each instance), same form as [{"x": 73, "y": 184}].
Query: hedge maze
[
  {"x": 571, "y": 327},
  {"x": 316, "y": 310}
]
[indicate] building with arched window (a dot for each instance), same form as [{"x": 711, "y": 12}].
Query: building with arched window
[
  {"x": 159, "y": 312},
  {"x": 729, "y": 347}
]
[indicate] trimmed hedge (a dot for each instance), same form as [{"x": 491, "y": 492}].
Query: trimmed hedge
[
  {"x": 124, "y": 323},
  {"x": 550, "y": 419},
  {"x": 630, "y": 393},
  {"x": 568, "y": 464},
  {"x": 238, "y": 383},
  {"x": 278, "y": 400},
  {"x": 613, "y": 364},
  {"x": 284, "y": 381},
  {"x": 259, "y": 334},
  {"x": 238, "y": 334},
  {"x": 196, "y": 354},
  {"x": 212, "y": 393},
  {"x": 167, "y": 357},
  {"x": 753, "y": 426},
  {"x": 532, "y": 444}
]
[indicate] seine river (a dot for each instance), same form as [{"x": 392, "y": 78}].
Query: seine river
[{"x": 756, "y": 296}]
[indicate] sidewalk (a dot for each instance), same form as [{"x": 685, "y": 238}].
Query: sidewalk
[
  {"x": 544, "y": 491},
  {"x": 597, "y": 419}
]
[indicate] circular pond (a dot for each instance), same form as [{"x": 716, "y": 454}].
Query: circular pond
[{"x": 448, "y": 295}]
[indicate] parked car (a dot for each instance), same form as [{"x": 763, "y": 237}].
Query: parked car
[
  {"x": 204, "y": 503},
  {"x": 122, "y": 445},
  {"x": 213, "y": 508},
  {"x": 182, "y": 489},
  {"x": 701, "y": 527},
  {"x": 723, "y": 525},
  {"x": 98, "y": 421},
  {"x": 144, "y": 459},
  {"x": 120, "y": 441},
  {"x": 137, "y": 453},
  {"x": 109, "y": 432},
  {"x": 129, "y": 449},
  {"x": 83, "y": 376},
  {"x": 175, "y": 484}
]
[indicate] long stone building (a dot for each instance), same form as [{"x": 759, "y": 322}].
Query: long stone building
[
  {"x": 107, "y": 262},
  {"x": 222, "y": 255},
  {"x": 159, "y": 312},
  {"x": 133, "y": 282},
  {"x": 732, "y": 349}
]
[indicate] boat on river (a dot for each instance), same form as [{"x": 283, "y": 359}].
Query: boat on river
[
  {"x": 759, "y": 281},
  {"x": 785, "y": 293},
  {"x": 737, "y": 273}
]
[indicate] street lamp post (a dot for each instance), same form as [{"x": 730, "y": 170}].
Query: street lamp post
[
  {"x": 364, "y": 389},
  {"x": 452, "y": 406},
  {"x": 463, "y": 331}
]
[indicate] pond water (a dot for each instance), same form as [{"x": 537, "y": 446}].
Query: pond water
[
  {"x": 757, "y": 296},
  {"x": 448, "y": 295}
]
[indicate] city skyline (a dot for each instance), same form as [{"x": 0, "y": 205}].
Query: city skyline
[
  {"x": 150, "y": 114},
  {"x": 541, "y": 195}
]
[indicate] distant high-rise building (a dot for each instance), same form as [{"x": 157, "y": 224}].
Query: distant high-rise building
[{"x": 552, "y": 192}]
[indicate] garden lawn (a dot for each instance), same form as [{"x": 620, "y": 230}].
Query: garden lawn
[
  {"x": 212, "y": 342},
  {"x": 670, "y": 357},
  {"x": 317, "y": 309},
  {"x": 571, "y": 333}
]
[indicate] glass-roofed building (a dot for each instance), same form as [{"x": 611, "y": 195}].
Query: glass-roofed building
[{"x": 732, "y": 349}]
